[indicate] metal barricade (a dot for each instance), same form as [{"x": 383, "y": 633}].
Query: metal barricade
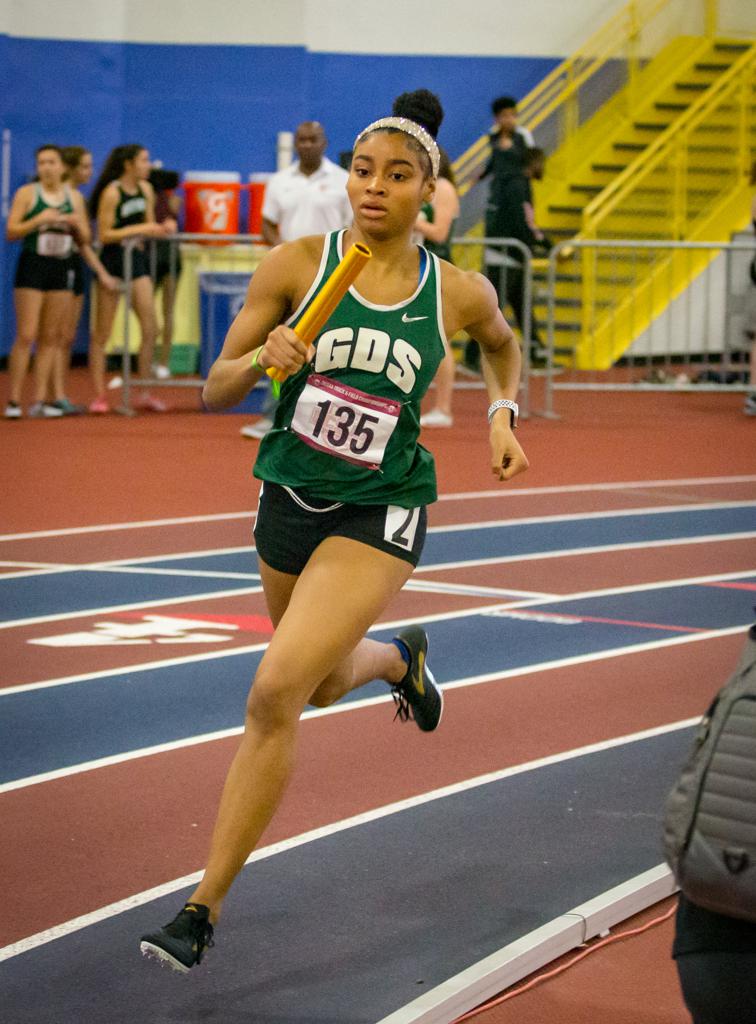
[
  {"x": 652, "y": 315},
  {"x": 224, "y": 248},
  {"x": 496, "y": 252},
  {"x": 510, "y": 255}
]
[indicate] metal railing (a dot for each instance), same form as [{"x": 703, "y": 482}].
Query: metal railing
[
  {"x": 498, "y": 251},
  {"x": 679, "y": 181},
  {"x": 214, "y": 242},
  {"x": 678, "y": 311},
  {"x": 610, "y": 59}
]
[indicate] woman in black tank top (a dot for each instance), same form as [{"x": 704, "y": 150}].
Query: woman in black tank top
[{"x": 123, "y": 204}]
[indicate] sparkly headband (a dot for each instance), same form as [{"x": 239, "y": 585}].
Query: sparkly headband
[{"x": 403, "y": 124}]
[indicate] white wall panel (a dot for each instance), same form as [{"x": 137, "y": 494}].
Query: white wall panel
[{"x": 455, "y": 27}]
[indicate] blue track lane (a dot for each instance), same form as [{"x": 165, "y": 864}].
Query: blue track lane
[
  {"x": 129, "y": 710},
  {"x": 56, "y": 594},
  {"x": 354, "y": 926}
]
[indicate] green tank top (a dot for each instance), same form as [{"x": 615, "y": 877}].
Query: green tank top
[
  {"x": 49, "y": 240},
  {"x": 131, "y": 208},
  {"x": 441, "y": 249},
  {"x": 346, "y": 427}
]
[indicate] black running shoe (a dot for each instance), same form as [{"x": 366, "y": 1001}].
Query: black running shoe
[
  {"x": 418, "y": 695},
  {"x": 182, "y": 943}
]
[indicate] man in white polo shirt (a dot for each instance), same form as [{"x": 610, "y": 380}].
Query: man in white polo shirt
[{"x": 307, "y": 198}]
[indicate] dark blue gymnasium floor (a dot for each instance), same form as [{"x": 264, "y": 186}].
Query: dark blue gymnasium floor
[
  {"x": 131, "y": 709},
  {"x": 76, "y": 590},
  {"x": 350, "y": 928}
]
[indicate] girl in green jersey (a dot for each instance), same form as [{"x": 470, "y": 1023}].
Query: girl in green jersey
[
  {"x": 341, "y": 513},
  {"x": 46, "y": 216}
]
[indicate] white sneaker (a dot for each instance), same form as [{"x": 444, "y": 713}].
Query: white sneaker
[
  {"x": 257, "y": 430},
  {"x": 161, "y": 372},
  {"x": 13, "y": 411},
  {"x": 42, "y": 410},
  {"x": 436, "y": 418},
  {"x": 114, "y": 383}
]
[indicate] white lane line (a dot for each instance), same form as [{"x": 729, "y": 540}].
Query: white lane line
[
  {"x": 132, "y": 606},
  {"x": 230, "y": 652},
  {"x": 599, "y": 549},
  {"x": 469, "y": 590},
  {"x": 144, "y": 524},
  {"x": 139, "y": 899},
  {"x": 132, "y": 564},
  {"x": 455, "y": 496},
  {"x": 528, "y": 602},
  {"x": 356, "y": 705},
  {"x": 627, "y": 485},
  {"x": 620, "y": 513}
]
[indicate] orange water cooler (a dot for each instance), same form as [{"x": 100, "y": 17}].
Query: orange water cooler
[
  {"x": 257, "y": 183},
  {"x": 212, "y": 202}
]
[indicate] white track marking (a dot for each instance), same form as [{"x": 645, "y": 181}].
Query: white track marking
[
  {"x": 356, "y": 705},
  {"x": 145, "y": 524},
  {"x": 526, "y": 603},
  {"x": 599, "y": 549},
  {"x": 458, "y": 496},
  {"x": 139, "y": 899},
  {"x": 627, "y": 485},
  {"x": 132, "y": 606}
]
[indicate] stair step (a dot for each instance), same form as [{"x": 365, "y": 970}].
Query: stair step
[
  {"x": 732, "y": 47},
  {"x": 611, "y": 168},
  {"x": 711, "y": 66},
  {"x": 693, "y": 86},
  {"x": 576, "y": 210},
  {"x": 667, "y": 105},
  {"x": 650, "y": 126},
  {"x": 635, "y": 147},
  {"x": 593, "y": 189}
]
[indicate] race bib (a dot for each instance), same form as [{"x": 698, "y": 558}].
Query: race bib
[
  {"x": 54, "y": 243},
  {"x": 345, "y": 422}
]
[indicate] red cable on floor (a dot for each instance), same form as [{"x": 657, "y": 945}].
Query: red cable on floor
[{"x": 570, "y": 963}]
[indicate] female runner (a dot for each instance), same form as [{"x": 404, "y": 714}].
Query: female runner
[
  {"x": 341, "y": 520},
  {"x": 78, "y": 161},
  {"x": 123, "y": 204},
  {"x": 45, "y": 214}
]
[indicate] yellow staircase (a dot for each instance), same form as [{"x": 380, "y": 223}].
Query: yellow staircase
[{"x": 665, "y": 158}]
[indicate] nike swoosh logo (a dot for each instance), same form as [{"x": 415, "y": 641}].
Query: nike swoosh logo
[
  {"x": 418, "y": 680},
  {"x": 411, "y": 319}
]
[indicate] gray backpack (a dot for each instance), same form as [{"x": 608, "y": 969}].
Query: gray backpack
[{"x": 710, "y": 820}]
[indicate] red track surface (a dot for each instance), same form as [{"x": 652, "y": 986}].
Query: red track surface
[{"x": 95, "y": 837}]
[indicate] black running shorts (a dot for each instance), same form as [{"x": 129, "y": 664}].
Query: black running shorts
[
  {"x": 290, "y": 525},
  {"x": 44, "y": 273},
  {"x": 111, "y": 258}
]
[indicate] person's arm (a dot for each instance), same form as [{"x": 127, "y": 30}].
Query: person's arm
[
  {"x": 445, "y": 211},
  {"x": 270, "y": 232},
  {"x": 479, "y": 313},
  {"x": 16, "y": 227},
  {"x": 79, "y": 221},
  {"x": 257, "y": 339}
]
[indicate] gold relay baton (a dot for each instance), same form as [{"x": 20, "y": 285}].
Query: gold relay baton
[{"x": 327, "y": 299}]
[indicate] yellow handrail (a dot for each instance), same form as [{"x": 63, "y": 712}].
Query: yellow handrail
[
  {"x": 607, "y": 201},
  {"x": 561, "y": 85}
]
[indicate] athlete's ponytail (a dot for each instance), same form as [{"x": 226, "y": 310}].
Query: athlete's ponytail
[{"x": 114, "y": 168}]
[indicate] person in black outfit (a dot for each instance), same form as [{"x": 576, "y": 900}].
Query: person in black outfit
[
  {"x": 715, "y": 957},
  {"x": 508, "y": 168}
]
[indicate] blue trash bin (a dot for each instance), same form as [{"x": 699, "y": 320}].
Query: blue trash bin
[{"x": 222, "y": 295}]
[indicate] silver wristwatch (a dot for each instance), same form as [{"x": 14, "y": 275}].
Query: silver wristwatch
[{"x": 505, "y": 403}]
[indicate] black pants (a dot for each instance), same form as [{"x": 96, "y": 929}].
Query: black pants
[
  {"x": 719, "y": 988},
  {"x": 509, "y": 283}
]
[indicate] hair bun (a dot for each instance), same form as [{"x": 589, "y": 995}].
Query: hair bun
[{"x": 421, "y": 106}]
